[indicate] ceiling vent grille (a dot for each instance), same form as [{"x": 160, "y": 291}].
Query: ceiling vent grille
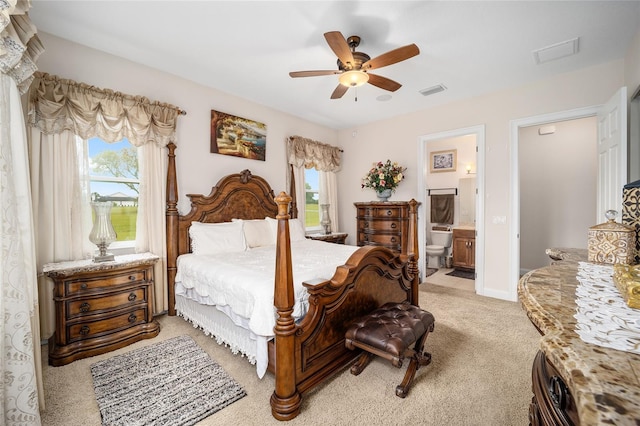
[
  {"x": 556, "y": 51},
  {"x": 433, "y": 89}
]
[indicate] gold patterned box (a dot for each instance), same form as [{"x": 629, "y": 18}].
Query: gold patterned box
[
  {"x": 631, "y": 210},
  {"x": 612, "y": 242},
  {"x": 627, "y": 280}
]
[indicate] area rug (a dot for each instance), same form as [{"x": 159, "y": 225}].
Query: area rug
[
  {"x": 173, "y": 382},
  {"x": 430, "y": 271},
  {"x": 470, "y": 275}
]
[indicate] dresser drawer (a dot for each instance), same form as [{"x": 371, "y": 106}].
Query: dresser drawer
[
  {"x": 386, "y": 212},
  {"x": 380, "y": 225},
  {"x": 380, "y": 239},
  {"x": 88, "y": 306},
  {"x": 80, "y": 286},
  {"x": 89, "y": 329}
]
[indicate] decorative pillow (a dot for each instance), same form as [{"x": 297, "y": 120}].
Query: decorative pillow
[
  {"x": 296, "y": 229},
  {"x": 257, "y": 232},
  {"x": 213, "y": 238}
]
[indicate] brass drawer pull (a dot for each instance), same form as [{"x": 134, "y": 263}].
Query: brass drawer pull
[
  {"x": 84, "y": 330},
  {"x": 393, "y": 239},
  {"x": 85, "y": 307},
  {"x": 83, "y": 286},
  {"x": 132, "y": 297},
  {"x": 394, "y": 225},
  {"x": 365, "y": 225},
  {"x": 132, "y": 318},
  {"x": 132, "y": 277},
  {"x": 389, "y": 212}
]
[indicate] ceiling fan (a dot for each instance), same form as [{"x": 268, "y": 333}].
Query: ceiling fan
[{"x": 354, "y": 67}]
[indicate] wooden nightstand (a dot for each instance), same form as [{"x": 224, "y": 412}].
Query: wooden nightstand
[
  {"x": 334, "y": 237},
  {"x": 100, "y": 307}
]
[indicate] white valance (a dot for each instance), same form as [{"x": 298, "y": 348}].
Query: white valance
[
  {"x": 57, "y": 104},
  {"x": 19, "y": 43},
  {"x": 303, "y": 152}
]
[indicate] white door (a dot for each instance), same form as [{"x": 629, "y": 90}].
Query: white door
[{"x": 612, "y": 154}]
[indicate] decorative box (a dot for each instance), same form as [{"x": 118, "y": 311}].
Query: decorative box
[
  {"x": 631, "y": 211},
  {"x": 612, "y": 242},
  {"x": 627, "y": 280}
]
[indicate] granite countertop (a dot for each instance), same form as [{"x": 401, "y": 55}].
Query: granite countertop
[
  {"x": 86, "y": 265},
  {"x": 605, "y": 383}
]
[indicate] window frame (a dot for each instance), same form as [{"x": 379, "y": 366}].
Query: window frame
[
  {"x": 121, "y": 247},
  {"x": 312, "y": 229}
]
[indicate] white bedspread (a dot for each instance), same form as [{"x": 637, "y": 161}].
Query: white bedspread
[{"x": 242, "y": 283}]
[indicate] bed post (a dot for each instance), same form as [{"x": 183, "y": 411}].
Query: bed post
[
  {"x": 172, "y": 227},
  {"x": 285, "y": 400},
  {"x": 292, "y": 191},
  {"x": 412, "y": 246}
]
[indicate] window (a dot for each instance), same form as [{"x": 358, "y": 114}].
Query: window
[
  {"x": 312, "y": 195},
  {"x": 113, "y": 177}
]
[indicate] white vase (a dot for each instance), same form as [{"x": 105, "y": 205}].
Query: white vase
[{"x": 384, "y": 194}]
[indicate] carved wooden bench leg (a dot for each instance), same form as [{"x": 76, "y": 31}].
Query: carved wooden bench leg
[
  {"x": 361, "y": 362},
  {"x": 418, "y": 359}
]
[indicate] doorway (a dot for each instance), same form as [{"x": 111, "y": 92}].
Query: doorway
[{"x": 425, "y": 147}]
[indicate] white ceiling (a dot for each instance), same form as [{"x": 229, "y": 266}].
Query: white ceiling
[{"x": 248, "y": 48}]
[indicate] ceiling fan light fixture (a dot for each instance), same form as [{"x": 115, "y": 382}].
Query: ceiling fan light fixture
[{"x": 353, "y": 78}]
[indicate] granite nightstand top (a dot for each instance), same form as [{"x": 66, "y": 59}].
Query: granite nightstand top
[
  {"x": 88, "y": 265},
  {"x": 605, "y": 383}
]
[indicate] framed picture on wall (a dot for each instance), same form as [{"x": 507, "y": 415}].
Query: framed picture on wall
[
  {"x": 237, "y": 136},
  {"x": 443, "y": 161}
]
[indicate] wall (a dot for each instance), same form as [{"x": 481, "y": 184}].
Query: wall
[
  {"x": 632, "y": 81},
  {"x": 197, "y": 169},
  {"x": 558, "y": 186},
  {"x": 397, "y": 139}
]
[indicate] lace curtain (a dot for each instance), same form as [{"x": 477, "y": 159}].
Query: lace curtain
[
  {"x": 306, "y": 153},
  {"x": 20, "y": 365},
  {"x": 60, "y": 109}
]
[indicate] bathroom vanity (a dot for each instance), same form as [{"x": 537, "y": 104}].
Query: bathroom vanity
[
  {"x": 464, "y": 248},
  {"x": 574, "y": 382}
]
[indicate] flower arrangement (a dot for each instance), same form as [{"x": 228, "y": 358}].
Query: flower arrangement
[{"x": 383, "y": 176}]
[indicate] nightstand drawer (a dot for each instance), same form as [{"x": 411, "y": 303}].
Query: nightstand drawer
[
  {"x": 88, "y": 306},
  {"x": 90, "y": 329},
  {"x": 84, "y": 285}
]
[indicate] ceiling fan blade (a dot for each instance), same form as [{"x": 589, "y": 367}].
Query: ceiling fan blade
[
  {"x": 392, "y": 57},
  {"x": 340, "y": 47},
  {"x": 383, "y": 82},
  {"x": 340, "y": 90},
  {"x": 312, "y": 73}
]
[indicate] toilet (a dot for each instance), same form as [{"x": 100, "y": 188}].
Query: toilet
[{"x": 437, "y": 250}]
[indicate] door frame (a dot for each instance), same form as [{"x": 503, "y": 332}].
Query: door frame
[
  {"x": 514, "y": 231},
  {"x": 423, "y": 166}
]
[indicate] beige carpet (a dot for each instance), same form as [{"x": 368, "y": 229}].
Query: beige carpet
[{"x": 480, "y": 375}]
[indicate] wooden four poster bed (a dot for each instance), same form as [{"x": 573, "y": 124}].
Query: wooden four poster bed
[{"x": 307, "y": 350}]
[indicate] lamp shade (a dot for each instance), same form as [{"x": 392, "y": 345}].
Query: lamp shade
[{"x": 353, "y": 78}]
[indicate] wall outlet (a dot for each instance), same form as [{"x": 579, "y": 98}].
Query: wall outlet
[{"x": 499, "y": 220}]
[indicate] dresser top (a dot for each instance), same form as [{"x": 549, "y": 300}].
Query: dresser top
[
  {"x": 88, "y": 265},
  {"x": 605, "y": 383}
]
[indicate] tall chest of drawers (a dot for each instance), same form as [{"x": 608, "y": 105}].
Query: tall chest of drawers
[
  {"x": 100, "y": 307},
  {"x": 383, "y": 224}
]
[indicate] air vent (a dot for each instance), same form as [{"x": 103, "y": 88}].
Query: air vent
[
  {"x": 556, "y": 51},
  {"x": 434, "y": 89}
]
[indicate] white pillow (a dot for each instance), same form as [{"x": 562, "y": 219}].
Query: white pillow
[
  {"x": 214, "y": 238},
  {"x": 296, "y": 229},
  {"x": 257, "y": 232}
]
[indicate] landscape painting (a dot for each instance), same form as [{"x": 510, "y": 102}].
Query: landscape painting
[{"x": 237, "y": 136}]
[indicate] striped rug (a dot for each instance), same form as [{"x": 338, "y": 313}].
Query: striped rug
[{"x": 173, "y": 382}]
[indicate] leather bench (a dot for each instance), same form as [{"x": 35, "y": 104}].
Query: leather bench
[{"x": 388, "y": 332}]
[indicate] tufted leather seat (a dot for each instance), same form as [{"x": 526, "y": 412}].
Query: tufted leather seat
[{"x": 388, "y": 332}]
